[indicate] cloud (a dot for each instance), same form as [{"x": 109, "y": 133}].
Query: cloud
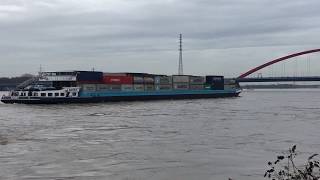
[{"x": 78, "y": 33}]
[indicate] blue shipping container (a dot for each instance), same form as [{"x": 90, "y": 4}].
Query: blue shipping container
[
  {"x": 89, "y": 76},
  {"x": 214, "y": 79}
]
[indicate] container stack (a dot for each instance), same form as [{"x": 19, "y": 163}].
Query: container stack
[
  {"x": 163, "y": 82},
  {"x": 89, "y": 77},
  {"x": 138, "y": 82},
  {"x": 196, "y": 82},
  {"x": 230, "y": 84},
  {"x": 148, "y": 80},
  {"x": 98, "y": 81},
  {"x": 117, "y": 82},
  {"x": 88, "y": 87},
  {"x": 180, "y": 82},
  {"x": 88, "y": 80},
  {"x": 215, "y": 82}
]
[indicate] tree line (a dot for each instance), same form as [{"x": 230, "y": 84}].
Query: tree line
[{"x": 15, "y": 80}]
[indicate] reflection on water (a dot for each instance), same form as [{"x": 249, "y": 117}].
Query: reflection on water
[{"x": 184, "y": 139}]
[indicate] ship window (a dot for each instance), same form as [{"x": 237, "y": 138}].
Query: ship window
[
  {"x": 61, "y": 94},
  {"x": 56, "y": 94},
  {"x": 35, "y": 94},
  {"x": 49, "y": 94},
  {"x": 74, "y": 94},
  {"x": 43, "y": 94}
]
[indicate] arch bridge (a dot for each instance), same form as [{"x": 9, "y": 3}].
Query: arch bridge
[{"x": 244, "y": 77}]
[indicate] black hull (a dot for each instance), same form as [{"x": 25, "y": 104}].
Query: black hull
[{"x": 44, "y": 100}]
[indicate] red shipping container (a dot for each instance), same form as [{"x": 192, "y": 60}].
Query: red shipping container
[{"x": 117, "y": 79}]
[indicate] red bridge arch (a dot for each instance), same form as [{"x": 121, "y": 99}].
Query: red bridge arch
[{"x": 276, "y": 61}]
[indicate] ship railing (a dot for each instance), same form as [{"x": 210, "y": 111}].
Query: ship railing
[{"x": 28, "y": 82}]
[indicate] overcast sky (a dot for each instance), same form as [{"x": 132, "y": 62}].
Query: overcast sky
[{"x": 220, "y": 36}]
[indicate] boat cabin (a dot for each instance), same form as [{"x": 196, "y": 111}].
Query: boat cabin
[{"x": 62, "y": 93}]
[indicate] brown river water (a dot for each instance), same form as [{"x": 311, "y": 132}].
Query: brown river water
[{"x": 158, "y": 140}]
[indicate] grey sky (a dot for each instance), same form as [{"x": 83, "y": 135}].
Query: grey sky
[{"x": 220, "y": 36}]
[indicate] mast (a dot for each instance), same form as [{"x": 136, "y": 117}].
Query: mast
[
  {"x": 40, "y": 70},
  {"x": 180, "y": 70}
]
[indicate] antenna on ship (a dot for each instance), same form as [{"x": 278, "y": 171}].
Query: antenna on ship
[{"x": 180, "y": 70}]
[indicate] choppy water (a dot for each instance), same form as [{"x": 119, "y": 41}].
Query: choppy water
[{"x": 161, "y": 140}]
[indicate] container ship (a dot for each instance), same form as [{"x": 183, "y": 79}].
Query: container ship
[{"x": 94, "y": 86}]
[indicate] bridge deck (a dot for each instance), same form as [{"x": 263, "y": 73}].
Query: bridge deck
[{"x": 278, "y": 79}]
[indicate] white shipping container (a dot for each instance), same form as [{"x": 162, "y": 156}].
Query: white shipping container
[
  {"x": 149, "y": 87},
  {"x": 89, "y": 87},
  {"x": 138, "y": 79},
  {"x": 181, "y": 86},
  {"x": 230, "y": 81},
  {"x": 230, "y": 86},
  {"x": 148, "y": 80},
  {"x": 103, "y": 87},
  {"x": 160, "y": 87},
  {"x": 196, "y": 87},
  {"x": 114, "y": 87},
  {"x": 163, "y": 79},
  {"x": 197, "y": 80},
  {"x": 126, "y": 87},
  {"x": 138, "y": 87},
  {"x": 180, "y": 79}
]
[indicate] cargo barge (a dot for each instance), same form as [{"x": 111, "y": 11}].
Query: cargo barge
[{"x": 93, "y": 86}]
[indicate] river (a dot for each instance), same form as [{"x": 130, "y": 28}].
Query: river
[{"x": 158, "y": 140}]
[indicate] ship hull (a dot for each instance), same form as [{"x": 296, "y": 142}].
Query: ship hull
[{"x": 96, "y": 98}]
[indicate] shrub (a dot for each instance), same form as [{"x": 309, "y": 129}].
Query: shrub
[{"x": 284, "y": 168}]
